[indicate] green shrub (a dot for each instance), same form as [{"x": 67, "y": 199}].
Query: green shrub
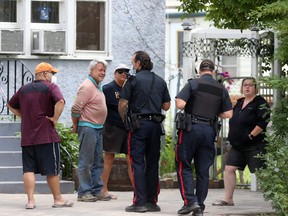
[
  {"x": 69, "y": 150},
  {"x": 273, "y": 178},
  {"x": 167, "y": 157}
]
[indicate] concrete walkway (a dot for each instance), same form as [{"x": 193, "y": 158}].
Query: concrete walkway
[{"x": 246, "y": 203}]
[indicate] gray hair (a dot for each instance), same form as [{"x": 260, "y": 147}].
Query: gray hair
[{"x": 94, "y": 62}]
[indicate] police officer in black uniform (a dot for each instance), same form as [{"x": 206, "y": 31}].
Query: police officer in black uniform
[
  {"x": 203, "y": 101},
  {"x": 145, "y": 94}
]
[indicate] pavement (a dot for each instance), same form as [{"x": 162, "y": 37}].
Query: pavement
[{"x": 246, "y": 203}]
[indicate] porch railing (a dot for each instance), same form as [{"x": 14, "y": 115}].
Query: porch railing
[{"x": 13, "y": 75}]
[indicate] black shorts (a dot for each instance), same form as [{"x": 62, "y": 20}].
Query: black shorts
[
  {"x": 114, "y": 139},
  {"x": 242, "y": 158},
  {"x": 43, "y": 159}
]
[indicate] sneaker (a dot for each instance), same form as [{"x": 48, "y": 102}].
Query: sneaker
[
  {"x": 87, "y": 198},
  {"x": 152, "y": 207},
  {"x": 134, "y": 208}
]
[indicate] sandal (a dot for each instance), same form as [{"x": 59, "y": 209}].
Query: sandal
[
  {"x": 30, "y": 206},
  {"x": 107, "y": 196},
  {"x": 65, "y": 204},
  {"x": 222, "y": 203}
]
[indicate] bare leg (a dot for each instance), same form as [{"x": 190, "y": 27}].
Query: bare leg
[
  {"x": 29, "y": 184},
  {"x": 108, "y": 162},
  {"x": 229, "y": 182},
  {"x": 54, "y": 184},
  {"x": 129, "y": 169}
]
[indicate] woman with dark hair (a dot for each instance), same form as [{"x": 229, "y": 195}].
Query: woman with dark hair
[{"x": 246, "y": 135}]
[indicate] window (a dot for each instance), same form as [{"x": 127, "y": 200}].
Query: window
[
  {"x": 90, "y": 25},
  {"x": 44, "y": 12},
  {"x": 8, "y": 11}
]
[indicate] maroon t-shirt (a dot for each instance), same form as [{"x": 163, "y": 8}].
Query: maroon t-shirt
[{"x": 37, "y": 100}]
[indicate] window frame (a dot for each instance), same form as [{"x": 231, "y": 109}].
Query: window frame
[
  {"x": 107, "y": 39},
  {"x": 50, "y": 26},
  {"x": 67, "y": 22},
  {"x": 19, "y": 15}
]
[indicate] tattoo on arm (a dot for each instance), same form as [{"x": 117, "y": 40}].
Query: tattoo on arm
[{"x": 123, "y": 108}]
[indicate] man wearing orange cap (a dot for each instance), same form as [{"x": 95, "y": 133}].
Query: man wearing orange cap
[{"x": 39, "y": 104}]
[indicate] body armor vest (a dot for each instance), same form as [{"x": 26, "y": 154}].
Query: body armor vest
[{"x": 207, "y": 100}]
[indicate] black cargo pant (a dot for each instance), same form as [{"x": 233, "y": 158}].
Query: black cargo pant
[{"x": 144, "y": 152}]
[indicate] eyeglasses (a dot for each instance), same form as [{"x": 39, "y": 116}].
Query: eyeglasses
[
  {"x": 122, "y": 71},
  {"x": 248, "y": 85}
]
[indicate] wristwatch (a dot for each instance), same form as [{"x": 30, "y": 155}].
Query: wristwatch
[{"x": 251, "y": 136}]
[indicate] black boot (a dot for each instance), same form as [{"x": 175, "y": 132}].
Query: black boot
[
  {"x": 198, "y": 212},
  {"x": 134, "y": 208},
  {"x": 186, "y": 209}
]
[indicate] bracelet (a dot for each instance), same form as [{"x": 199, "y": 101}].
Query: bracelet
[{"x": 251, "y": 136}]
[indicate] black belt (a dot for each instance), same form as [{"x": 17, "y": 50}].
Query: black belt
[
  {"x": 202, "y": 121},
  {"x": 149, "y": 117}
]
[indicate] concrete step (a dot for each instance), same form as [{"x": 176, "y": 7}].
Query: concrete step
[
  {"x": 10, "y": 143},
  {"x": 13, "y": 187},
  {"x": 11, "y": 158},
  {"x": 9, "y": 128},
  {"x": 15, "y": 173},
  {"x": 11, "y": 171}
]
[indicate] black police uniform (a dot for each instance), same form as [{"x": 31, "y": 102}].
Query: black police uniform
[
  {"x": 145, "y": 97},
  {"x": 205, "y": 98}
]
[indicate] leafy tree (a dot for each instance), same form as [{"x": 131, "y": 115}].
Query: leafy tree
[{"x": 229, "y": 13}]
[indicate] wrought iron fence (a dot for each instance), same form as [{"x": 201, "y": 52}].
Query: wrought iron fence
[{"x": 13, "y": 75}]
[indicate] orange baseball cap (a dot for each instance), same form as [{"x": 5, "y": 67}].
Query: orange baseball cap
[{"x": 43, "y": 66}]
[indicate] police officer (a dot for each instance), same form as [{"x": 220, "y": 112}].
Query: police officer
[
  {"x": 202, "y": 99},
  {"x": 146, "y": 94}
]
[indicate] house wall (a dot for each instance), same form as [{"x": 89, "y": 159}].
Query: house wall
[{"x": 135, "y": 25}]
